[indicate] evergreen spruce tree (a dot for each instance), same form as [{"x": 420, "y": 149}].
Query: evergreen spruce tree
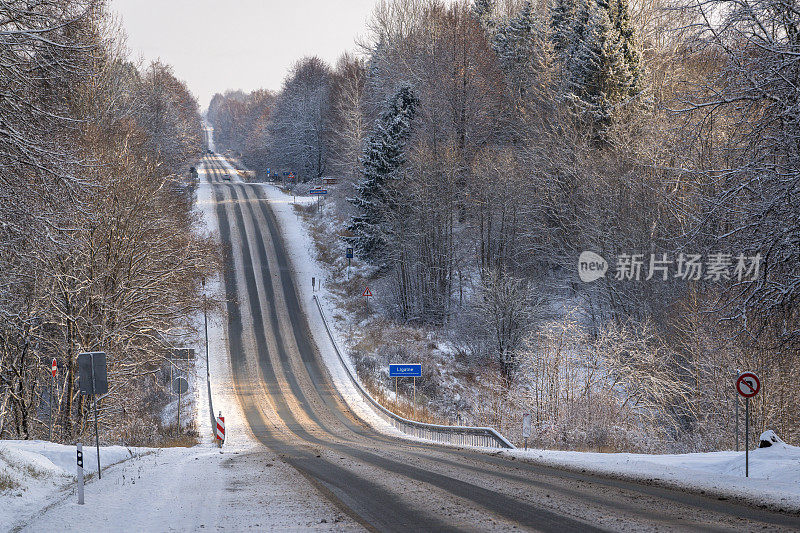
[
  {"x": 598, "y": 77},
  {"x": 562, "y": 19},
  {"x": 520, "y": 47},
  {"x": 621, "y": 17},
  {"x": 483, "y": 10},
  {"x": 382, "y": 159}
]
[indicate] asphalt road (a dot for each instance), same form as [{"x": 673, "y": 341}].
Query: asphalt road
[{"x": 390, "y": 485}]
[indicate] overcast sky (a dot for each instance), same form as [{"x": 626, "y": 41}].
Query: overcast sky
[{"x": 239, "y": 44}]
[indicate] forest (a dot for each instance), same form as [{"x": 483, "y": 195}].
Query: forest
[
  {"x": 100, "y": 249},
  {"x": 483, "y": 146}
]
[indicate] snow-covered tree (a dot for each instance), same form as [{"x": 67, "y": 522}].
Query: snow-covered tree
[
  {"x": 621, "y": 17},
  {"x": 562, "y": 18},
  {"x": 599, "y": 78},
  {"x": 300, "y": 120},
  {"x": 483, "y": 10},
  {"x": 383, "y": 157},
  {"x": 520, "y": 44}
]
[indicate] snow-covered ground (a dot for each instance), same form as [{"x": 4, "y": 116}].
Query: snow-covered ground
[
  {"x": 175, "y": 489},
  {"x": 40, "y": 473},
  {"x": 774, "y": 471}
]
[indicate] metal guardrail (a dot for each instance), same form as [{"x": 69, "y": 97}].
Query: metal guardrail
[{"x": 459, "y": 435}]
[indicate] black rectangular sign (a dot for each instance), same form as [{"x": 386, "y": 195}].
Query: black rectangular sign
[{"x": 92, "y": 376}]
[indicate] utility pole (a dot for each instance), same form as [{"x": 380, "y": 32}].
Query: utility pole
[
  {"x": 205, "y": 322},
  {"x": 53, "y": 370}
]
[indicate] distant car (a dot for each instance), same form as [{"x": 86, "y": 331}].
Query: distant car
[
  {"x": 211, "y": 152},
  {"x": 226, "y": 177}
]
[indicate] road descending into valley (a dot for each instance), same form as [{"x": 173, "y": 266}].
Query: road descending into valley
[{"x": 387, "y": 484}]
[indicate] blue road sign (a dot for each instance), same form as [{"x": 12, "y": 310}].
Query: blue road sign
[
  {"x": 318, "y": 191},
  {"x": 349, "y": 253},
  {"x": 405, "y": 371}
]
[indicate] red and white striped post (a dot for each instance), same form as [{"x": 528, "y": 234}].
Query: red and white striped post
[{"x": 220, "y": 429}]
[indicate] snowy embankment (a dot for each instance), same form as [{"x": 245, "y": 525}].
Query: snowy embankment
[
  {"x": 35, "y": 474},
  {"x": 774, "y": 480},
  {"x": 176, "y": 489}
]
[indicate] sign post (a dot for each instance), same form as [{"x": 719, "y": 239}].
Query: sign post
[
  {"x": 54, "y": 371},
  {"x": 93, "y": 380},
  {"x": 349, "y": 255},
  {"x": 366, "y": 294},
  {"x": 180, "y": 386},
  {"x": 406, "y": 371},
  {"x": 747, "y": 385},
  {"x": 80, "y": 473},
  {"x": 526, "y": 428},
  {"x": 319, "y": 192}
]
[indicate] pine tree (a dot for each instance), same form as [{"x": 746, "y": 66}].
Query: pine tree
[
  {"x": 483, "y": 10},
  {"x": 599, "y": 77},
  {"x": 382, "y": 159},
  {"x": 621, "y": 18},
  {"x": 519, "y": 45},
  {"x": 562, "y": 18}
]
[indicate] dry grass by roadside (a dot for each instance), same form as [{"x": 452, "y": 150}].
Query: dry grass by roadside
[
  {"x": 7, "y": 482},
  {"x": 186, "y": 439}
]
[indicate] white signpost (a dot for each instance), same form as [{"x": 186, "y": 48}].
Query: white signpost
[
  {"x": 747, "y": 385},
  {"x": 80, "y": 473}
]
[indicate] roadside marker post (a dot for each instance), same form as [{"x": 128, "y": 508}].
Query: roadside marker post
[
  {"x": 220, "y": 429},
  {"x": 80, "y": 473},
  {"x": 747, "y": 385},
  {"x": 349, "y": 255}
]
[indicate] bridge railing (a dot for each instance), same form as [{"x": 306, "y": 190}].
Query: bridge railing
[{"x": 459, "y": 435}]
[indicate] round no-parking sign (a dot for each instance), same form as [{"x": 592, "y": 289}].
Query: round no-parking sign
[{"x": 747, "y": 384}]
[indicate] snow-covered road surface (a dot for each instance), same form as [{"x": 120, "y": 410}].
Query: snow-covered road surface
[{"x": 290, "y": 401}]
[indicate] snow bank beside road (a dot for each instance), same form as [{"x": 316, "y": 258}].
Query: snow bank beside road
[
  {"x": 774, "y": 479},
  {"x": 176, "y": 489},
  {"x": 39, "y": 471}
]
